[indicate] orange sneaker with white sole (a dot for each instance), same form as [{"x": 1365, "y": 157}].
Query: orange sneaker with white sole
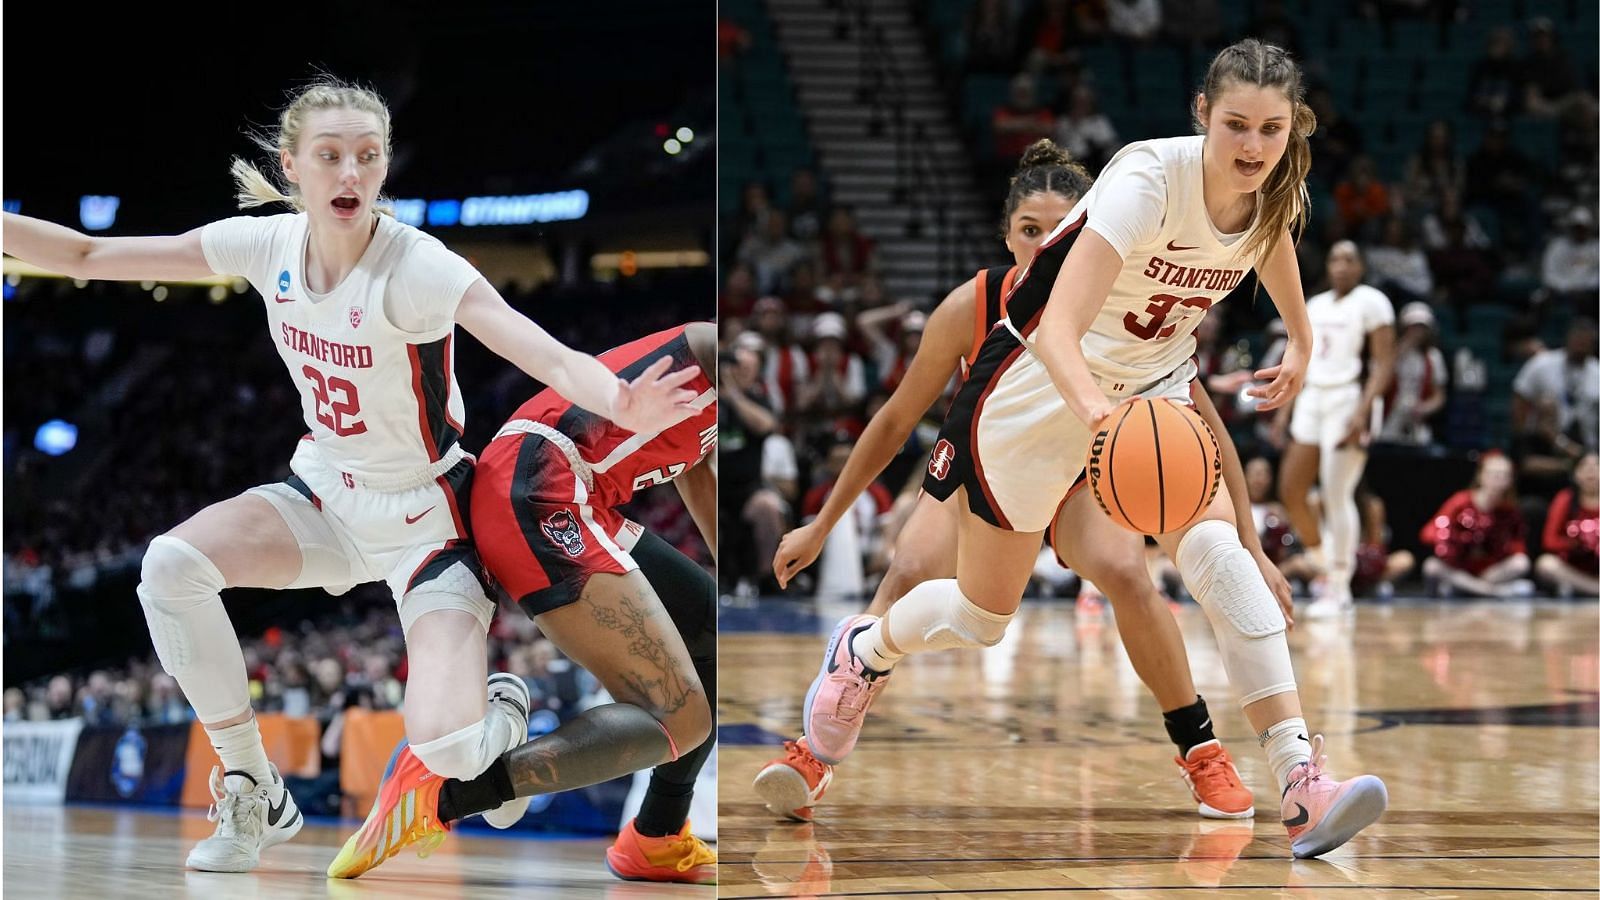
[
  {"x": 792, "y": 784},
  {"x": 1214, "y": 782},
  {"x": 680, "y": 857}
]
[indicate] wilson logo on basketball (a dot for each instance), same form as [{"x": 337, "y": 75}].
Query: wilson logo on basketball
[
  {"x": 562, "y": 530},
  {"x": 943, "y": 454}
]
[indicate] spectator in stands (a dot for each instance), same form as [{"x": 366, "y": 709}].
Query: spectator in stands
[
  {"x": 770, "y": 252},
  {"x": 1361, "y": 197},
  {"x": 752, "y": 510},
  {"x": 1570, "y": 272},
  {"x": 838, "y": 379},
  {"x": 1421, "y": 377},
  {"x": 844, "y": 251},
  {"x": 754, "y": 207},
  {"x": 806, "y": 207},
  {"x": 1549, "y": 79},
  {"x": 891, "y": 354},
  {"x": 1555, "y": 406},
  {"x": 1377, "y": 569},
  {"x": 991, "y": 34},
  {"x": 1477, "y": 537},
  {"x": 1571, "y": 560},
  {"x": 806, "y": 296},
  {"x": 784, "y": 366},
  {"x": 58, "y": 698},
  {"x": 1465, "y": 267},
  {"x": 1521, "y": 340},
  {"x": 1447, "y": 212},
  {"x": 1084, "y": 131},
  {"x": 855, "y": 547},
  {"x": 1137, "y": 22},
  {"x": 1337, "y": 140},
  {"x": 1398, "y": 267},
  {"x": 738, "y": 291},
  {"x": 1055, "y": 28},
  {"x": 1021, "y": 121},
  {"x": 1435, "y": 169},
  {"x": 1500, "y": 177},
  {"x": 732, "y": 40},
  {"x": 1495, "y": 86},
  {"x": 16, "y": 705}
]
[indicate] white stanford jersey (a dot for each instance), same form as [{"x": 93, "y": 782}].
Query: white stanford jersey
[
  {"x": 1149, "y": 205},
  {"x": 380, "y": 402},
  {"x": 1339, "y": 329}
]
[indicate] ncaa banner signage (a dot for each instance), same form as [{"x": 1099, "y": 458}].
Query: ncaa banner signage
[{"x": 38, "y": 757}]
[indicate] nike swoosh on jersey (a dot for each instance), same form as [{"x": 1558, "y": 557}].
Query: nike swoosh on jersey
[
  {"x": 1173, "y": 246},
  {"x": 282, "y": 299},
  {"x": 412, "y": 520}
]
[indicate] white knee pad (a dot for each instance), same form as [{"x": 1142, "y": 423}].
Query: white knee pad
[
  {"x": 935, "y": 615},
  {"x": 180, "y": 590},
  {"x": 1244, "y": 614},
  {"x": 466, "y": 752}
]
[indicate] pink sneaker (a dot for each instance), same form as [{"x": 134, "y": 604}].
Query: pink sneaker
[
  {"x": 1321, "y": 813},
  {"x": 836, "y": 704}
]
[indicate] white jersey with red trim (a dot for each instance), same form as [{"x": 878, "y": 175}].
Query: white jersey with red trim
[
  {"x": 1339, "y": 329},
  {"x": 380, "y": 401},
  {"x": 1149, "y": 204}
]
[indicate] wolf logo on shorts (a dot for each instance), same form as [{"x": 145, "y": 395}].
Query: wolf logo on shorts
[
  {"x": 939, "y": 463},
  {"x": 560, "y": 527}
]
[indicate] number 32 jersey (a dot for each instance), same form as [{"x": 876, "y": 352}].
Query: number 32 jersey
[
  {"x": 381, "y": 400},
  {"x": 1149, "y": 205}
]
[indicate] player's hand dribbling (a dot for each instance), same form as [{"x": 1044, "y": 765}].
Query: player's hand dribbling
[
  {"x": 654, "y": 402},
  {"x": 797, "y": 550},
  {"x": 1284, "y": 380}
]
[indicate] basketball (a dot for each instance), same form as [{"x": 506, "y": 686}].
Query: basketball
[{"x": 1155, "y": 467}]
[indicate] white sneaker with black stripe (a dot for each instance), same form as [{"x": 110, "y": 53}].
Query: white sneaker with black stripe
[
  {"x": 250, "y": 818},
  {"x": 511, "y": 694}
]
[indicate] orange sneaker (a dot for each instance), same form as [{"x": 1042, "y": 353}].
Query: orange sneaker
[
  {"x": 1215, "y": 783},
  {"x": 405, "y": 812},
  {"x": 791, "y": 784},
  {"x": 680, "y": 857},
  {"x": 783, "y": 874},
  {"x": 1213, "y": 849}
]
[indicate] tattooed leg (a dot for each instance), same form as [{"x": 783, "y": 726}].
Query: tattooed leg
[{"x": 619, "y": 631}]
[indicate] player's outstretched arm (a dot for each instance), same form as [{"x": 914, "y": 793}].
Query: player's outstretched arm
[
  {"x": 1279, "y": 273},
  {"x": 77, "y": 255},
  {"x": 653, "y": 402}
]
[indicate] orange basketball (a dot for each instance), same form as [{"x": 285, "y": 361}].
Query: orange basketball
[{"x": 1155, "y": 467}]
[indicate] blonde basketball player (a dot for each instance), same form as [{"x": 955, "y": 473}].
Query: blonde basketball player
[
  {"x": 1331, "y": 419},
  {"x": 1046, "y": 186},
  {"x": 362, "y": 309},
  {"x": 1171, "y": 227}
]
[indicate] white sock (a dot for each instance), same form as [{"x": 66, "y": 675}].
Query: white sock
[
  {"x": 240, "y": 748},
  {"x": 869, "y": 647},
  {"x": 1287, "y": 746},
  {"x": 1314, "y": 556}
]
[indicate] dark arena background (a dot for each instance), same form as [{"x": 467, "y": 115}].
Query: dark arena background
[
  {"x": 865, "y": 150},
  {"x": 566, "y": 150}
]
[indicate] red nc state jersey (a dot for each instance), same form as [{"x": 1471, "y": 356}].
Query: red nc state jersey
[{"x": 622, "y": 461}]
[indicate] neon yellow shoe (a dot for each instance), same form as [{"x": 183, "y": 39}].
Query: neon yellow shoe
[
  {"x": 680, "y": 857},
  {"x": 405, "y": 813}
]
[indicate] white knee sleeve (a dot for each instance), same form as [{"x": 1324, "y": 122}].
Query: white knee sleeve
[
  {"x": 1244, "y": 615},
  {"x": 180, "y": 590},
  {"x": 467, "y": 752},
  {"x": 454, "y": 588},
  {"x": 936, "y": 616}
]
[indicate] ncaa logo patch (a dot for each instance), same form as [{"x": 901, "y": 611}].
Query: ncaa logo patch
[
  {"x": 563, "y": 531},
  {"x": 283, "y": 281},
  {"x": 944, "y": 453},
  {"x": 355, "y": 317}
]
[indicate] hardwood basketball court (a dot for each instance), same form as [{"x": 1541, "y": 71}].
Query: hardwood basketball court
[{"x": 1041, "y": 765}]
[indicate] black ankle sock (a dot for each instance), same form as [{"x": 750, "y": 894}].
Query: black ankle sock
[
  {"x": 1189, "y": 726},
  {"x": 665, "y": 808},
  {"x": 459, "y": 799}
]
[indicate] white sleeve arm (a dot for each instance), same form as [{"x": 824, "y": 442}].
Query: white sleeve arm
[
  {"x": 1380, "y": 311},
  {"x": 423, "y": 296},
  {"x": 1130, "y": 201},
  {"x": 234, "y": 246}
]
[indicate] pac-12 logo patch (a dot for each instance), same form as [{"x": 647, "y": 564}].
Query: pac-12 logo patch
[
  {"x": 355, "y": 317},
  {"x": 561, "y": 529},
  {"x": 283, "y": 281},
  {"x": 943, "y": 454}
]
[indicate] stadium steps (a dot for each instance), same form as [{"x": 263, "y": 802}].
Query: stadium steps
[{"x": 856, "y": 142}]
